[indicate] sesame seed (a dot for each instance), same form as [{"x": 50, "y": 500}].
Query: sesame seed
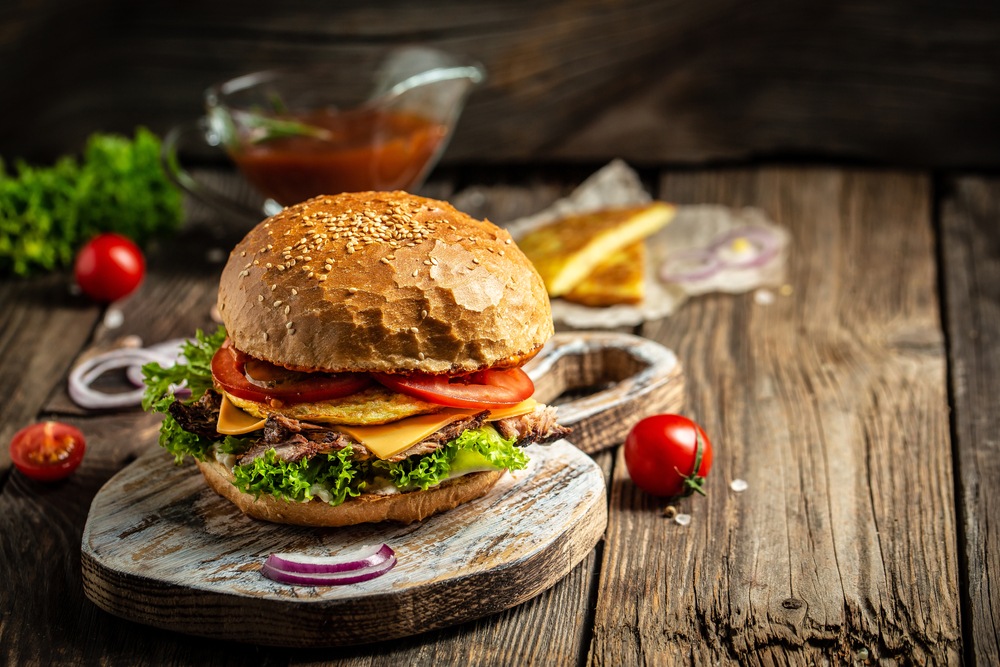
[
  {"x": 500, "y": 252},
  {"x": 423, "y": 313},
  {"x": 415, "y": 272},
  {"x": 427, "y": 262},
  {"x": 475, "y": 260},
  {"x": 277, "y": 303},
  {"x": 291, "y": 332},
  {"x": 260, "y": 297},
  {"x": 420, "y": 356},
  {"x": 352, "y": 290},
  {"x": 311, "y": 274},
  {"x": 265, "y": 335},
  {"x": 434, "y": 261},
  {"x": 414, "y": 330},
  {"x": 287, "y": 308},
  {"x": 384, "y": 260},
  {"x": 274, "y": 286},
  {"x": 268, "y": 265},
  {"x": 281, "y": 267},
  {"x": 321, "y": 277},
  {"x": 294, "y": 291},
  {"x": 288, "y": 325},
  {"x": 507, "y": 241}
]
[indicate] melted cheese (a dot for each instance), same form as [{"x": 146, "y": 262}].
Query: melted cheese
[
  {"x": 234, "y": 421},
  {"x": 384, "y": 440}
]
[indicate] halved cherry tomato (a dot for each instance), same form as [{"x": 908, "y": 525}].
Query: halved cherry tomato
[
  {"x": 47, "y": 451},
  {"x": 297, "y": 387},
  {"x": 485, "y": 389}
]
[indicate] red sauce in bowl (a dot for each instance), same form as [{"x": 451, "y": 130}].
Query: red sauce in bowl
[{"x": 366, "y": 150}]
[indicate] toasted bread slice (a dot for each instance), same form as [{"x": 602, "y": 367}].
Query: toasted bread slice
[
  {"x": 616, "y": 280},
  {"x": 568, "y": 251}
]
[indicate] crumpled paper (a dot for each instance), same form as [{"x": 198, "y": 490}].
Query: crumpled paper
[{"x": 696, "y": 226}]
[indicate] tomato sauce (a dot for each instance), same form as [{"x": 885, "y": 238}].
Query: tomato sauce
[{"x": 367, "y": 150}]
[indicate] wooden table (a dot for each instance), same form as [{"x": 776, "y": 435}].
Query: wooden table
[{"x": 861, "y": 409}]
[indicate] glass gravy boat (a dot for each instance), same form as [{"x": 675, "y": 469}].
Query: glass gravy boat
[{"x": 297, "y": 134}]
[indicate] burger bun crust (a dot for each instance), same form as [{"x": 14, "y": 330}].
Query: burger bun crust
[{"x": 382, "y": 282}]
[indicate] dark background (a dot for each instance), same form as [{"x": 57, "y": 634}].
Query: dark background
[{"x": 896, "y": 82}]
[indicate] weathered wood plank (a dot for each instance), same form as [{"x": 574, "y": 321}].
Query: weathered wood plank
[
  {"x": 680, "y": 81},
  {"x": 42, "y": 329},
  {"x": 832, "y": 404},
  {"x": 970, "y": 241}
]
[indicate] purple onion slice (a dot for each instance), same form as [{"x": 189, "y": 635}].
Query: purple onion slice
[
  {"x": 764, "y": 242},
  {"x": 687, "y": 265},
  {"x": 329, "y": 579},
  {"x": 355, "y": 560}
]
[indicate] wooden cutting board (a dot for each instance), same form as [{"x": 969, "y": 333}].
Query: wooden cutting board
[{"x": 161, "y": 548}]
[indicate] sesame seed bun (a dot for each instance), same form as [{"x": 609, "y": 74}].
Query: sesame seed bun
[{"x": 385, "y": 282}]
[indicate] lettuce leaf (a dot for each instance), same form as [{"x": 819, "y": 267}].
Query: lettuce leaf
[
  {"x": 431, "y": 469},
  {"x": 294, "y": 482},
  {"x": 344, "y": 478},
  {"x": 196, "y": 374}
]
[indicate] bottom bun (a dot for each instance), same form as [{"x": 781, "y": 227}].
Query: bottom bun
[{"x": 366, "y": 508}]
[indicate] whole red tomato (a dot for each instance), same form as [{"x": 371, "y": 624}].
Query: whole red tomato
[
  {"x": 47, "y": 451},
  {"x": 660, "y": 454},
  {"x": 109, "y": 267}
]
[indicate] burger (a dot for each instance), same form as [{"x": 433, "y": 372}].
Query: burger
[{"x": 369, "y": 364}]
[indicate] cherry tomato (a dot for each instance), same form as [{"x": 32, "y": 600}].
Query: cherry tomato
[
  {"x": 109, "y": 267},
  {"x": 485, "y": 389},
  {"x": 47, "y": 451},
  {"x": 660, "y": 453},
  {"x": 231, "y": 371}
]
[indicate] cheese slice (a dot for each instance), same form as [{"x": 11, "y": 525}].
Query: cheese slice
[
  {"x": 522, "y": 408},
  {"x": 234, "y": 421},
  {"x": 384, "y": 440},
  {"x": 387, "y": 440}
]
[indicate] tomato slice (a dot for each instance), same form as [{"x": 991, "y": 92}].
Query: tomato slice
[
  {"x": 47, "y": 451},
  {"x": 267, "y": 381},
  {"x": 485, "y": 389}
]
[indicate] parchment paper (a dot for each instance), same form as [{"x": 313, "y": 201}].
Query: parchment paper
[{"x": 694, "y": 226}]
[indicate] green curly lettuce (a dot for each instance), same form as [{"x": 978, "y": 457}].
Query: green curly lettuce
[
  {"x": 431, "y": 469},
  {"x": 477, "y": 449},
  {"x": 196, "y": 375},
  {"x": 295, "y": 482}
]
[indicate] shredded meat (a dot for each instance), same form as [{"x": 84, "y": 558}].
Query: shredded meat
[
  {"x": 538, "y": 426},
  {"x": 199, "y": 417},
  {"x": 442, "y": 437},
  {"x": 293, "y": 440}
]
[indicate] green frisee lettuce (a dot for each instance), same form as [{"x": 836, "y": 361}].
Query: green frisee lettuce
[{"x": 196, "y": 375}]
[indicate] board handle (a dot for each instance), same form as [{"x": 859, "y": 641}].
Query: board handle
[{"x": 645, "y": 378}]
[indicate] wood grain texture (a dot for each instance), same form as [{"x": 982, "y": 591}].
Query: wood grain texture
[
  {"x": 42, "y": 328},
  {"x": 641, "y": 378},
  {"x": 161, "y": 548},
  {"x": 647, "y": 80},
  {"x": 970, "y": 242},
  {"x": 831, "y": 404}
]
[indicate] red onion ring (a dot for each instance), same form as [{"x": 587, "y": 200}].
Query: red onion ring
[
  {"x": 81, "y": 377},
  {"x": 328, "y": 571},
  {"x": 709, "y": 265},
  {"x": 302, "y": 564},
  {"x": 765, "y": 242}
]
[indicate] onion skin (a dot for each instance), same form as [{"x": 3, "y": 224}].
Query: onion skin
[
  {"x": 329, "y": 565},
  {"x": 338, "y": 579}
]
